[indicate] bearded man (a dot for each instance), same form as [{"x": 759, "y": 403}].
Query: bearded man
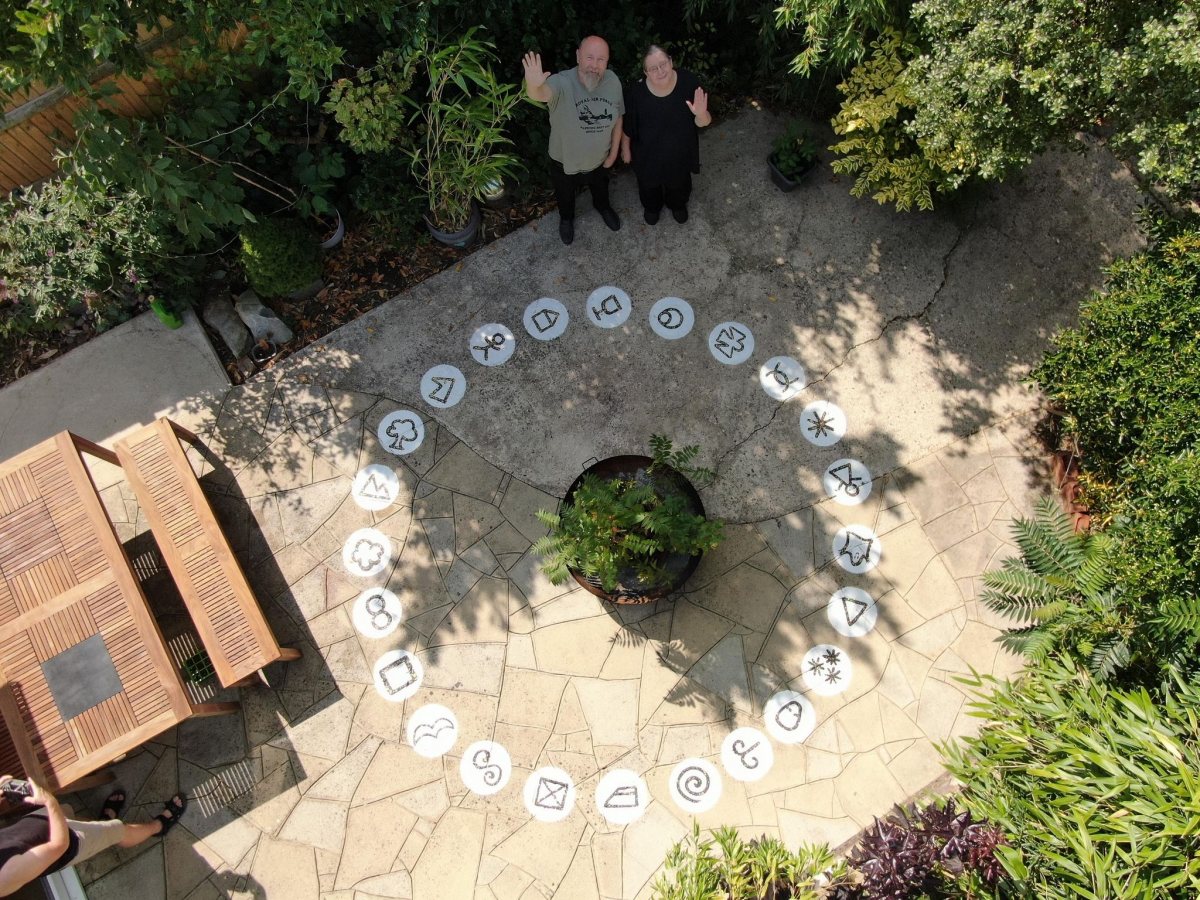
[{"x": 586, "y": 107}]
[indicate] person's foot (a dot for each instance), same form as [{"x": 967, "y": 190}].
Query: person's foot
[
  {"x": 113, "y": 805},
  {"x": 566, "y": 230},
  {"x": 650, "y": 217},
  {"x": 172, "y": 810},
  {"x": 611, "y": 219},
  {"x": 680, "y": 214}
]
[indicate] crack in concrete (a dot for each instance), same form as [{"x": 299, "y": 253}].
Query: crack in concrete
[{"x": 917, "y": 316}]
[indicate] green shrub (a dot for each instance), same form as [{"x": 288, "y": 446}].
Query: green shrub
[
  {"x": 617, "y": 524},
  {"x": 1096, "y": 787},
  {"x": 66, "y": 251},
  {"x": 745, "y": 870},
  {"x": 794, "y": 151},
  {"x": 1061, "y": 589},
  {"x": 279, "y": 256},
  {"x": 876, "y": 146},
  {"x": 1128, "y": 380}
]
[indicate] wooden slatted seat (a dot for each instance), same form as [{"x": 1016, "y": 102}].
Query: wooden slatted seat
[{"x": 228, "y": 618}]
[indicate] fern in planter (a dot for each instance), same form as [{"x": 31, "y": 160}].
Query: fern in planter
[
  {"x": 1062, "y": 588},
  {"x": 619, "y": 524}
]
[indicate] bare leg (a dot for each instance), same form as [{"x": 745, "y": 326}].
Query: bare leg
[{"x": 136, "y": 834}]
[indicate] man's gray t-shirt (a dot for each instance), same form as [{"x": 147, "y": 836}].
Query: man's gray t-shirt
[{"x": 581, "y": 121}]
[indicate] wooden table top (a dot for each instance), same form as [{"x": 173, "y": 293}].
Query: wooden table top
[{"x": 65, "y": 578}]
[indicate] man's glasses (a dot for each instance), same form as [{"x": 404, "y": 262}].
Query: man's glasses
[{"x": 661, "y": 67}]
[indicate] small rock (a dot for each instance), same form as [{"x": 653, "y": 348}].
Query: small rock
[
  {"x": 262, "y": 322},
  {"x": 246, "y": 366},
  {"x": 220, "y": 314}
]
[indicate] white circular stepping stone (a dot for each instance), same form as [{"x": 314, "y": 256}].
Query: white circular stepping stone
[
  {"x": 549, "y": 794},
  {"x": 622, "y": 796},
  {"x": 827, "y": 670},
  {"x": 789, "y": 717},
  {"x": 485, "y": 768},
  {"x": 847, "y": 481},
  {"x": 398, "y": 675},
  {"x": 823, "y": 423},
  {"x": 546, "y": 319},
  {"x": 695, "y": 785},
  {"x": 781, "y": 377},
  {"x": 401, "y": 432},
  {"x": 852, "y": 612},
  {"x": 492, "y": 344},
  {"x": 857, "y": 549},
  {"x": 443, "y": 386},
  {"x": 375, "y": 487},
  {"x": 731, "y": 343},
  {"x": 608, "y": 306},
  {"x": 672, "y": 318},
  {"x": 366, "y": 552},
  {"x": 746, "y": 754},
  {"x": 432, "y": 730},
  {"x": 377, "y": 612}
]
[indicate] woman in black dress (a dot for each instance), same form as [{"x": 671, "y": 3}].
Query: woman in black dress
[{"x": 663, "y": 116}]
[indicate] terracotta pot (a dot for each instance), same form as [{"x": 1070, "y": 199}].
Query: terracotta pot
[{"x": 679, "y": 566}]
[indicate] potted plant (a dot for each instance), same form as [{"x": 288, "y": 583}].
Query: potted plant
[
  {"x": 793, "y": 154},
  {"x": 279, "y": 256},
  {"x": 458, "y": 155},
  {"x": 631, "y": 529}
]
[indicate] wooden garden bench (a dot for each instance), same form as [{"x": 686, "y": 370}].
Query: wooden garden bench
[{"x": 227, "y": 616}]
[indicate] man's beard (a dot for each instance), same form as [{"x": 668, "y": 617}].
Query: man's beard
[{"x": 589, "y": 80}]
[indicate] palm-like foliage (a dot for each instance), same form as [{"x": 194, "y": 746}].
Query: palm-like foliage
[{"x": 1061, "y": 589}]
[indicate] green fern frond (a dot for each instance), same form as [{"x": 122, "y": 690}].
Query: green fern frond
[
  {"x": 1109, "y": 656},
  {"x": 1044, "y": 546},
  {"x": 1034, "y": 642}
]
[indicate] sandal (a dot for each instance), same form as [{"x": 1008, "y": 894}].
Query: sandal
[
  {"x": 172, "y": 810},
  {"x": 113, "y": 805}
]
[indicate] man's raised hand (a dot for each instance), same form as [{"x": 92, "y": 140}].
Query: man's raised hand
[{"x": 535, "y": 75}]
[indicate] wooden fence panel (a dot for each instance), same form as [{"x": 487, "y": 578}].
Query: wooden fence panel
[{"x": 30, "y": 134}]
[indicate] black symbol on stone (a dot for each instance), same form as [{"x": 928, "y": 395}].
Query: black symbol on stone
[
  {"x": 443, "y": 386},
  {"x": 398, "y": 675},
  {"x": 847, "y": 480},
  {"x": 860, "y": 607},
  {"x": 624, "y": 797},
  {"x": 490, "y": 342},
  {"x": 670, "y": 318},
  {"x": 550, "y": 794},
  {"x": 743, "y": 752},
  {"x": 730, "y": 341},
  {"x": 857, "y": 548},
  {"x": 827, "y": 666},
  {"x": 376, "y": 607},
  {"x": 693, "y": 783},
  {"x": 820, "y": 424},
  {"x": 781, "y": 377},
  {"x": 366, "y": 554},
  {"x": 375, "y": 488},
  {"x": 544, "y": 319},
  {"x": 789, "y": 715},
  {"x": 609, "y": 306},
  {"x": 491, "y": 773},
  {"x": 431, "y": 730},
  {"x": 401, "y": 431}
]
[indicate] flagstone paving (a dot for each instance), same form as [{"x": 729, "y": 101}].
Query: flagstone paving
[
  {"x": 921, "y": 328},
  {"x": 312, "y": 791}
]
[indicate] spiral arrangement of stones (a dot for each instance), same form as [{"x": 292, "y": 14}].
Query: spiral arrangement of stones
[{"x": 621, "y": 795}]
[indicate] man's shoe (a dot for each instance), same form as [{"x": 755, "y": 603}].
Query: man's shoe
[
  {"x": 650, "y": 217},
  {"x": 611, "y": 219},
  {"x": 566, "y": 230},
  {"x": 680, "y": 214}
]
